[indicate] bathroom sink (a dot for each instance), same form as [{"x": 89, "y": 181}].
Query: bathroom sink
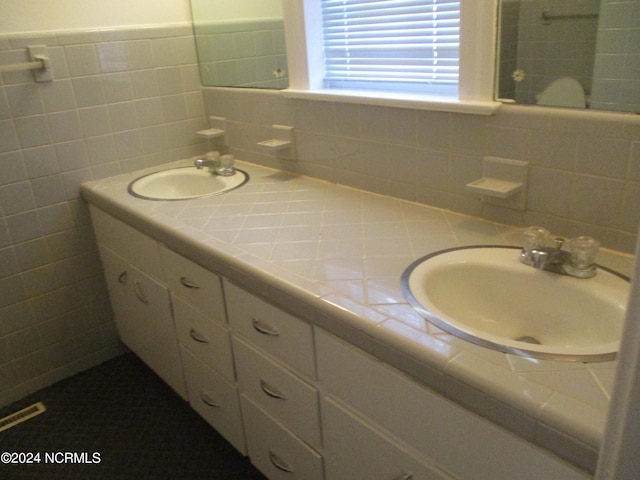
[
  {"x": 183, "y": 183},
  {"x": 485, "y": 295}
]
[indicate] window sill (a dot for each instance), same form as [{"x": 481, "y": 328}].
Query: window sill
[{"x": 399, "y": 100}]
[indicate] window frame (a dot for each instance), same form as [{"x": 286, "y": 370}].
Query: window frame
[{"x": 303, "y": 36}]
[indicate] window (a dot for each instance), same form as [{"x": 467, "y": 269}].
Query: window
[
  {"x": 392, "y": 45},
  {"x": 335, "y": 48}
]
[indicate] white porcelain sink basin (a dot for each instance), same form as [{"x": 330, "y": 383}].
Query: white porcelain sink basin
[
  {"x": 485, "y": 295},
  {"x": 183, "y": 183}
]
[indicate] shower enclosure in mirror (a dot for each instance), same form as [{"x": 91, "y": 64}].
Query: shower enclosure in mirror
[
  {"x": 570, "y": 53},
  {"x": 240, "y": 43}
]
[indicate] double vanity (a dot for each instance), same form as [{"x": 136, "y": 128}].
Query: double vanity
[{"x": 276, "y": 309}]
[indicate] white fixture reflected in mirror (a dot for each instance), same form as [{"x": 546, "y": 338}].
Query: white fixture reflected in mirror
[{"x": 569, "y": 53}]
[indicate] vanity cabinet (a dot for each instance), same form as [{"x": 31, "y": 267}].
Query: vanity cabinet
[
  {"x": 276, "y": 374},
  {"x": 139, "y": 296},
  {"x": 300, "y": 402},
  {"x": 205, "y": 345}
]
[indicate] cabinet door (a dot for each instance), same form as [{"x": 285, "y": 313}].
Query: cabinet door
[
  {"x": 214, "y": 399},
  {"x": 135, "y": 247},
  {"x": 275, "y": 451},
  {"x": 354, "y": 449},
  {"x": 142, "y": 312},
  {"x": 445, "y": 434},
  {"x": 117, "y": 273},
  {"x": 155, "y": 331}
]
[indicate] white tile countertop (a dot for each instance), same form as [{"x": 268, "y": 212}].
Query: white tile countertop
[{"x": 334, "y": 255}]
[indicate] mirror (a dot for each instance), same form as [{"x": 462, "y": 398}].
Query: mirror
[
  {"x": 240, "y": 43},
  {"x": 570, "y": 53}
]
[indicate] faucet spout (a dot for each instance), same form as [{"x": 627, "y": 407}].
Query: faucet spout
[
  {"x": 550, "y": 259},
  {"x": 539, "y": 259},
  {"x": 203, "y": 162},
  {"x": 211, "y": 160}
]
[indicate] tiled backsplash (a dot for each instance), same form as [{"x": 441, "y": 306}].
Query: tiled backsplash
[
  {"x": 584, "y": 167},
  {"x": 122, "y": 99}
]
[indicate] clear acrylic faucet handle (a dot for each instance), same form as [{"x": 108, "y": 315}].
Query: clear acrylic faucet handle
[
  {"x": 583, "y": 252},
  {"x": 535, "y": 237}
]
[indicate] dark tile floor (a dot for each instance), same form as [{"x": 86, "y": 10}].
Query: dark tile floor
[{"x": 137, "y": 425}]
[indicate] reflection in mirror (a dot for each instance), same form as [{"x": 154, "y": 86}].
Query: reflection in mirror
[
  {"x": 570, "y": 53},
  {"x": 240, "y": 43}
]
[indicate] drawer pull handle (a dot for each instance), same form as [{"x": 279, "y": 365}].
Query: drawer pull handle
[
  {"x": 140, "y": 293},
  {"x": 279, "y": 463},
  {"x": 188, "y": 283},
  {"x": 272, "y": 391},
  {"x": 198, "y": 337},
  {"x": 406, "y": 476},
  {"x": 206, "y": 399},
  {"x": 123, "y": 277},
  {"x": 264, "y": 329}
]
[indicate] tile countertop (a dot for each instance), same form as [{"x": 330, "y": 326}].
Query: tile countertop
[{"x": 334, "y": 255}]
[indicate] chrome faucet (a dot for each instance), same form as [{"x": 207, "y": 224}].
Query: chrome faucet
[
  {"x": 578, "y": 262},
  {"x": 211, "y": 160},
  {"x": 218, "y": 166}
]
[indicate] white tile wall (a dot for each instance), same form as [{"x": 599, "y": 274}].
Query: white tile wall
[
  {"x": 583, "y": 165},
  {"x": 121, "y": 100}
]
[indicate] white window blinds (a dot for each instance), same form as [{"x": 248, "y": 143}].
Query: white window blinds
[{"x": 392, "y": 45}]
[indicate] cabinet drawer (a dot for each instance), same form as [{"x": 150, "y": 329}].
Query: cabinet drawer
[
  {"x": 195, "y": 284},
  {"x": 206, "y": 339},
  {"x": 275, "y": 451},
  {"x": 354, "y": 449},
  {"x": 283, "y": 395},
  {"x": 214, "y": 399},
  {"x": 135, "y": 247},
  {"x": 278, "y": 333}
]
